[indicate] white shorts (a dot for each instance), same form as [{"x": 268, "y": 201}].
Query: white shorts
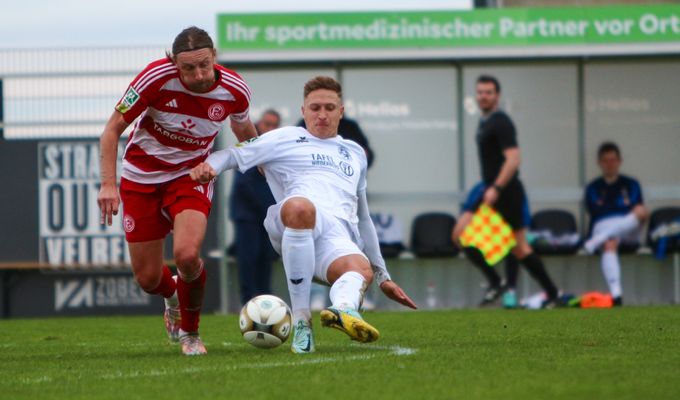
[
  {"x": 632, "y": 237},
  {"x": 333, "y": 238}
]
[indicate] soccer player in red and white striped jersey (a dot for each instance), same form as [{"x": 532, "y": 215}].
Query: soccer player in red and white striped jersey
[{"x": 180, "y": 103}]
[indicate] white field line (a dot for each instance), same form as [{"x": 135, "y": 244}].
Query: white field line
[
  {"x": 391, "y": 350},
  {"x": 193, "y": 370},
  {"x": 33, "y": 381},
  {"x": 394, "y": 350}
]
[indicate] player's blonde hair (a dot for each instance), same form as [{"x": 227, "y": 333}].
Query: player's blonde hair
[{"x": 322, "y": 82}]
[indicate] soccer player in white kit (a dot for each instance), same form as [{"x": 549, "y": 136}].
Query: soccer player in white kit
[
  {"x": 320, "y": 224},
  {"x": 182, "y": 102}
]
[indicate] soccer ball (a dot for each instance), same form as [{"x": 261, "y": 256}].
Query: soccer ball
[{"x": 265, "y": 321}]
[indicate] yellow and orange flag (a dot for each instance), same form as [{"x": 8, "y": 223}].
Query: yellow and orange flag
[{"x": 489, "y": 233}]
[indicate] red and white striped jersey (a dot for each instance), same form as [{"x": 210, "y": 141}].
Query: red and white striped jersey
[{"x": 177, "y": 127}]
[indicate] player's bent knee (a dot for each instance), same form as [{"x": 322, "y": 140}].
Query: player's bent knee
[
  {"x": 186, "y": 257},
  {"x": 365, "y": 271},
  {"x": 148, "y": 280},
  {"x": 298, "y": 213}
]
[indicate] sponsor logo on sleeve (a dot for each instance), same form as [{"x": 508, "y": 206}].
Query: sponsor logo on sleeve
[{"x": 129, "y": 100}]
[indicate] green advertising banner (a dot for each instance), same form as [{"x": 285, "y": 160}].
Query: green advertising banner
[{"x": 446, "y": 29}]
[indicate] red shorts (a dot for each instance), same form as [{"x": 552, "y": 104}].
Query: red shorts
[{"x": 150, "y": 209}]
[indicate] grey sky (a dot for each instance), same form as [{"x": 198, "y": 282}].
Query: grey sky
[{"x": 86, "y": 23}]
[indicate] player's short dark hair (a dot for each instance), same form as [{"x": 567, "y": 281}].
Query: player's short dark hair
[
  {"x": 607, "y": 147},
  {"x": 490, "y": 79},
  {"x": 190, "y": 39},
  {"x": 322, "y": 82}
]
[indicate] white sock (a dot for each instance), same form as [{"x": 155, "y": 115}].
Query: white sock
[
  {"x": 172, "y": 301},
  {"x": 348, "y": 291},
  {"x": 611, "y": 269},
  {"x": 297, "y": 252},
  {"x": 617, "y": 227}
]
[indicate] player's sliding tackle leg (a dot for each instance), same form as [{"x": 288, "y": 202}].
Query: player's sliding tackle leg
[
  {"x": 346, "y": 294},
  {"x": 297, "y": 251}
]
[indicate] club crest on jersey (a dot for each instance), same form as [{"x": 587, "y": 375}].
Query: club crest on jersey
[
  {"x": 129, "y": 100},
  {"x": 216, "y": 112},
  {"x": 344, "y": 153},
  {"x": 245, "y": 142}
]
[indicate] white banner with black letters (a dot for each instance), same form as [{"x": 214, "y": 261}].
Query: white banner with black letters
[{"x": 70, "y": 229}]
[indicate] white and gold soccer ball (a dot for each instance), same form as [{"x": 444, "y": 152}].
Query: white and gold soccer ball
[{"x": 265, "y": 321}]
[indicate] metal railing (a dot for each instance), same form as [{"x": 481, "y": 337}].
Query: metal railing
[{"x": 65, "y": 93}]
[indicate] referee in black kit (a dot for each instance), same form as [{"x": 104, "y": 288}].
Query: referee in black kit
[{"x": 499, "y": 157}]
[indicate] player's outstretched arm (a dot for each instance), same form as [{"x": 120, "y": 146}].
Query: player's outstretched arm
[
  {"x": 394, "y": 292},
  {"x": 216, "y": 163}
]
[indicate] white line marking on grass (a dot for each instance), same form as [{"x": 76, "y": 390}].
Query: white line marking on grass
[
  {"x": 394, "y": 350},
  {"x": 31, "y": 381},
  {"x": 193, "y": 370},
  {"x": 123, "y": 344},
  {"x": 403, "y": 351},
  {"x": 230, "y": 344}
]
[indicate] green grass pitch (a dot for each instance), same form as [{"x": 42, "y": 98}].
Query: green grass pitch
[{"x": 626, "y": 353}]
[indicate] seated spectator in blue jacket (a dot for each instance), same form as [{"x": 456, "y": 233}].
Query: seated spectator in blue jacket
[
  {"x": 248, "y": 204},
  {"x": 614, "y": 203}
]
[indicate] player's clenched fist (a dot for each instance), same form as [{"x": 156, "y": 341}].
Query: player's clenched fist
[{"x": 203, "y": 173}]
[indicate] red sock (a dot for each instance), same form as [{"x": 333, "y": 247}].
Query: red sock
[
  {"x": 190, "y": 296},
  {"x": 167, "y": 286}
]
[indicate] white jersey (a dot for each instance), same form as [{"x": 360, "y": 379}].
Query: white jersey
[{"x": 329, "y": 172}]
